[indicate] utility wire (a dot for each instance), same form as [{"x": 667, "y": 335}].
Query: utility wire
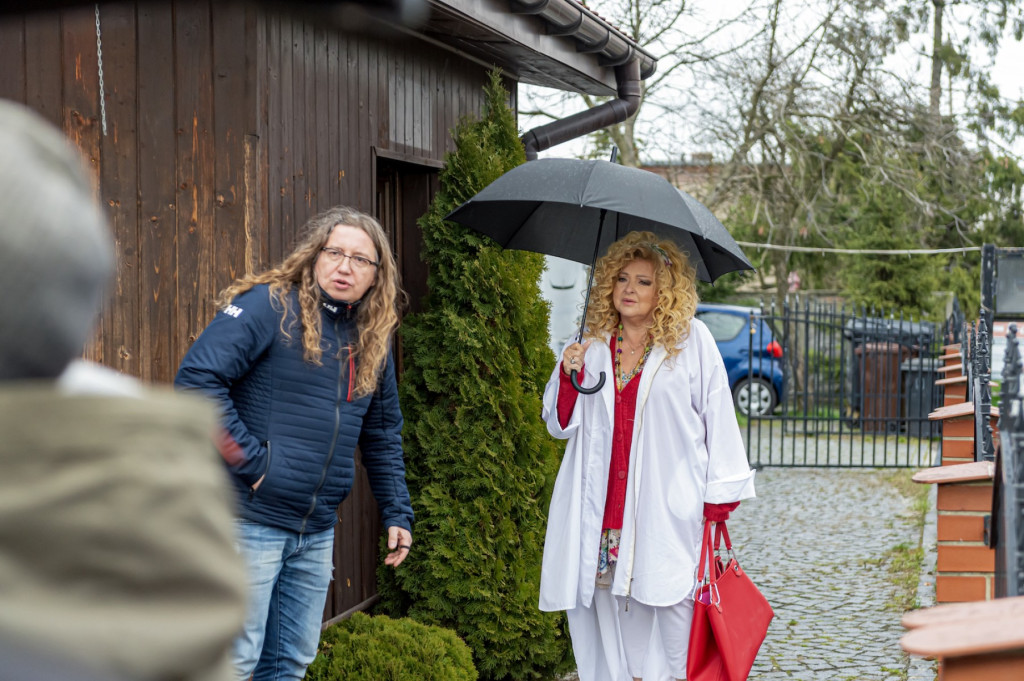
[{"x": 859, "y": 251}]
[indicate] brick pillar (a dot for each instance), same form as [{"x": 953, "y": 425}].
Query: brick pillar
[
  {"x": 954, "y": 390},
  {"x": 951, "y": 355},
  {"x": 958, "y": 431},
  {"x": 965, "y": 567}
]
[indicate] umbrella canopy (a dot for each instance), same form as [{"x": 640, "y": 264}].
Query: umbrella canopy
[{"x": 575, "y": 209}]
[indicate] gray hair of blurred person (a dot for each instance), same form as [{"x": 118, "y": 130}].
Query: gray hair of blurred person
[{"x": 56, "y": 254}]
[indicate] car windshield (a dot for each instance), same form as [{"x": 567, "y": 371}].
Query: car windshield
[{"x": 722, "y": 325}]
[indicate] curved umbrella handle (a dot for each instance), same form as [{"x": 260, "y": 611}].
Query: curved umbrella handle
[{"x": 580, "y": 388}]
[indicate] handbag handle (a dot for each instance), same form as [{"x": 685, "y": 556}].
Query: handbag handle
[
  {"x": 704, "y": 570},
  {"x": 722, "y": 532}
]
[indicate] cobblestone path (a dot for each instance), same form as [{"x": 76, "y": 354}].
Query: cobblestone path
[{"x": 813, "y": 541}]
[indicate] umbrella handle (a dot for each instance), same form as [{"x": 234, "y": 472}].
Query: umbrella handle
[{"x": 580, "y": 388}]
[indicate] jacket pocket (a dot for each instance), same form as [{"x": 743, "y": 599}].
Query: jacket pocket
[{"x": 266, "y": 473}]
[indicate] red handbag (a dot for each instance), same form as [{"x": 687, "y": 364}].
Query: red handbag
[{"x": 730, "y": 616}]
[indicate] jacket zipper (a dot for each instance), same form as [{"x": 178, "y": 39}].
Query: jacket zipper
[{"x": 334, "y": 437}]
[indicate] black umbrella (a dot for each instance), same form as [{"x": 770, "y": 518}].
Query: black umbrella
[{"x": 575, "y": 209}]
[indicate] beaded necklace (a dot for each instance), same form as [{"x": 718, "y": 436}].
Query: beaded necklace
[{"x": 620, "y": 380}]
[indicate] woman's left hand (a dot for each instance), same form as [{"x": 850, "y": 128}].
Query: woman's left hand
[{"x": 400, "y": 541}]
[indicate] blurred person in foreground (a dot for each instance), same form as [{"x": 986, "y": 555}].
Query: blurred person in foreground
[
  {"x": 116, "y": 555},
  {"x": 299, "y": 360},
  {"x": 650, "y": 456}
]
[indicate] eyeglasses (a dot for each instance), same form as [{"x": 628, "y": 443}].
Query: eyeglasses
[{"x": 358, "y": 261}]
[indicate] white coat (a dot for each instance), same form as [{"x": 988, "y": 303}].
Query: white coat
[{"x": 686, "y": 450}]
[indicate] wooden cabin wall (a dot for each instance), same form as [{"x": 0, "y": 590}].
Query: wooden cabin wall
[
  {"x": 226, "y": 128},
  {"x": 171, "y": 167}
]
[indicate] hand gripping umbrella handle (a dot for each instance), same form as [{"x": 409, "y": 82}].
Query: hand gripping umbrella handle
[{"x": 586, "y": 391}]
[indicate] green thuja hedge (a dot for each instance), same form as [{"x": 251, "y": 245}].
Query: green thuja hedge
[
  {"x": 385, "y": 649},
  {"x": 480, "y": 464}
]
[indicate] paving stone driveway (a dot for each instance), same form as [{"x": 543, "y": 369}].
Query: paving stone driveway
[{"x": 811, "y": 541}]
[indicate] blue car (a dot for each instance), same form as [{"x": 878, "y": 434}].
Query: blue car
[{"x": 753, "y": 357}]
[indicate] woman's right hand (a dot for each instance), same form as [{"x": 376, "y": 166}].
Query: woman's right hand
[{"x": 572, "y": 358}]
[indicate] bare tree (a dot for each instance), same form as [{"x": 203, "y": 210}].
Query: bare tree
[
  {"x": 676, "y": 33},
  {"x": 812, "y": 118}
]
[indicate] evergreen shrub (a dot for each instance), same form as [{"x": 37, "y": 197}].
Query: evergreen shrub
[
  {"x": 384, "y": 649},
  {"x": 480, "y": 464}
]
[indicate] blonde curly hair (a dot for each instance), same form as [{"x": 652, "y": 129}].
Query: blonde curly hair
[
  {"x": 377, "y": 316},
  {"x": 676, "y": 279}
]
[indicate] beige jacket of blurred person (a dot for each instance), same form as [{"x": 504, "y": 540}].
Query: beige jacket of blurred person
[{"x": 115, "y": 533}]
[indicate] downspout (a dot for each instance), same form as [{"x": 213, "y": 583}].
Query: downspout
[{"x": 627, "y": 85}]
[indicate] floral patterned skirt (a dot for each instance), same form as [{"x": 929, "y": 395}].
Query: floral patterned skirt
[{"x": 608, "y": 557}]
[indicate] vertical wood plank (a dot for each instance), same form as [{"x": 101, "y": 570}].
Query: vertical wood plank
[
  {"x": 81, "y": 123},
  {"x": 380, "y": 119},
  {"x": 287, "y": 124},
  {"x": 195, "y": 176},
  {"x": 399, "y": 107},
  {"x": 334, "y": 124},
  {"x": 450, "y": 112},
  {"x": 322, "y": 141},
  {"x": 300, "y": 112},
  {"x": 43, "y": 91},
  {"x": 275, "y": 126},
  {"x": 12, "y": 58},
  {"x": 369, "y": 84},
  {"x": 434, "y": 111},
  {"x": 119, "y": 183},
  {"x": 349, "y": 110},
  {"x": 233, "y": 97},
  {"x": 307, "y": 139},
  {"x": 159, "y": 341},
  {"x": 256, "y": 163}
]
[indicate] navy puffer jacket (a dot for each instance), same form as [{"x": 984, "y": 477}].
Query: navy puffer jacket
[{"x": 294, "y": 422}]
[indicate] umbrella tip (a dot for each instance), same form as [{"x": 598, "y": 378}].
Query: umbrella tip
[{"x": 615, "y": 153}]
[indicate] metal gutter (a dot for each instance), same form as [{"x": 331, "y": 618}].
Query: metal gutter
[
  {"x": 591, "y": 32},
  {"x": 594, "y": 35},
  {"x": 627, "y": 78}
]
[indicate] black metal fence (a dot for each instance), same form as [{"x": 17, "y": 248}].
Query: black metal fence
[
  {"x": 1007, "y": 524},
  {"x": 857, "y": 388}
]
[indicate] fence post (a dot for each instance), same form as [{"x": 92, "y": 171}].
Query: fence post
[
  {"x": 988, "y": 282},
  {"x": 1008, "y": 507},
  {"x": 984, "y": 449}
]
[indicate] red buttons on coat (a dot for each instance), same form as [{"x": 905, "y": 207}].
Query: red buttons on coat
[{"x": 622, "y": 474}]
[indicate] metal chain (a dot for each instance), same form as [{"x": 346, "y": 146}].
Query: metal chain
[{"x": 99, "y": 62}]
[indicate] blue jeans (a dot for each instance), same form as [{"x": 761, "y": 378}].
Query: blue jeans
[{"x": 288, "y": 578}]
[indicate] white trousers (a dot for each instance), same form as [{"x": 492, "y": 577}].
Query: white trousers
[
  {"x": 637, "y": 627},
  {"x": 600, "y": 631}
]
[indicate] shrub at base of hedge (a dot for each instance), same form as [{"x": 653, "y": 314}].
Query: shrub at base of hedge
[{"x": 379, "y": 648}]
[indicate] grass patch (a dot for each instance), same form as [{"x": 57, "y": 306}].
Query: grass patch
[
  {"x": 915, "y": 493},
  {"x": 903, "y": 561}
]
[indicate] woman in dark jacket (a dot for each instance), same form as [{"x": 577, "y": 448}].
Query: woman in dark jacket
[{"x": 298, "y": 359}]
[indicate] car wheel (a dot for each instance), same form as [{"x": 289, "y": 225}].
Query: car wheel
[{"x": 754, "y": 397}]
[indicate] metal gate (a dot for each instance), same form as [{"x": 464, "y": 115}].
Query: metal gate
[{"x": 857, "y": 389}]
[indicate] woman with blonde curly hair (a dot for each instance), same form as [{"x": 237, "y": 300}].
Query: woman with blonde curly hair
[
  {"x": 298, "y": 359},
  {"x": 650, "y": 455}
]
